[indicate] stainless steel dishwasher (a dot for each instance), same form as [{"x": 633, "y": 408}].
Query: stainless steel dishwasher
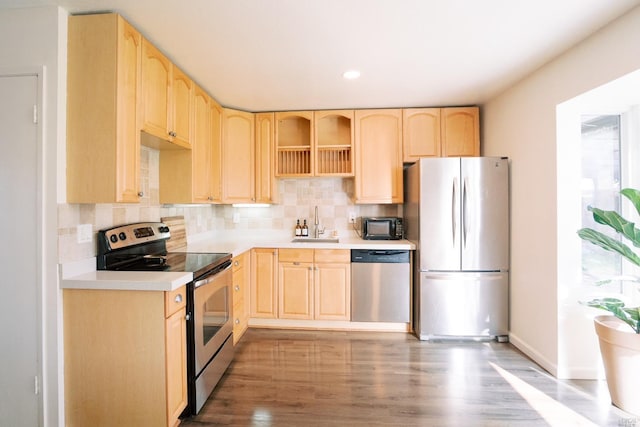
[{"x": 380, "y": 285}]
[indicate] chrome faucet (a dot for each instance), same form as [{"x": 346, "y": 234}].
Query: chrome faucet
[{"x": 317, "y": 230}]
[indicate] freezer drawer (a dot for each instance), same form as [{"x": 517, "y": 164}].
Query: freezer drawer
[{"x": 462, "y": 305}]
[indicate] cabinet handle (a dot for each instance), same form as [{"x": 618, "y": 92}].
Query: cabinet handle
[
  {"x": 236, "y": 263},
  {"x": 210, "y": 198},
  {"x": 188, "y": 316},
  {"x": 237, "y": 321},
  {"x": 178, "y": 298},
  {"x": 140, "y": 194},
  {"x": 236, "y": 287}
]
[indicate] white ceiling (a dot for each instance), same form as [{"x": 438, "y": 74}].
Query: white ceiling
[{"x": 270, "y": 55}]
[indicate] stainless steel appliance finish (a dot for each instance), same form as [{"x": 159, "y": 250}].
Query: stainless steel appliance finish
[
  {"x": 457, "y": 213},
  {"x": 380, "y": 285},
  {"x": 212, "y": 333}
]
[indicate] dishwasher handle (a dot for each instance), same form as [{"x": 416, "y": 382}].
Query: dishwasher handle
[{"x": 389, "y": 256}]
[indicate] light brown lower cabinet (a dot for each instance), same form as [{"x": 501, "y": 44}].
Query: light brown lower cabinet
[
  {"x": 241, "y": 280},
  {"x": 314, "y": 284},
  {"x": 264, "y": 283},
  {"x": 125, "y": 357}
]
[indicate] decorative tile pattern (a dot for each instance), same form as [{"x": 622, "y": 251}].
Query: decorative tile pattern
[{"x": 297, "y": 199}]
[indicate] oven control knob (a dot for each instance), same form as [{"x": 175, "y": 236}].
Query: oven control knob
[
  {"x": 122, "y": 236},
  {"x": 113, "y": 238},
  {"x": 163, "y": 229}
]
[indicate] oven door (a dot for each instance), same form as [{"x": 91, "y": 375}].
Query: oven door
[{"x": 212, "y": 316}]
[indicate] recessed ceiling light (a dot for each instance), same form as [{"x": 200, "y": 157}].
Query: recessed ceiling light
[{"x": 351, "y": 74}]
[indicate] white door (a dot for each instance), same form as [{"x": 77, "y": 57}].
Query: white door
[{"x": 20, "y": 261}]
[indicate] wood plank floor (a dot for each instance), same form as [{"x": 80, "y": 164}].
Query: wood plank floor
[{"x": 312, "y": 378}]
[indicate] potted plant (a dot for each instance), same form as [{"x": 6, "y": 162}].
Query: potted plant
[{"x": 619, "y": 334}]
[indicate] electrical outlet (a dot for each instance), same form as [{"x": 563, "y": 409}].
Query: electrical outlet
[
  {"x": 352, "y": 217},
  {"x": 84, "y": 233},
  {"x": 236, "y": 218}
]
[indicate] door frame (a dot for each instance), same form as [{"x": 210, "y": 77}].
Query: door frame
[{"x": 43, "y": 385}]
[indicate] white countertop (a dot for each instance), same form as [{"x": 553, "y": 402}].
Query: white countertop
[
  {"x": 83, "y": 275},
  {"x": 237, "y": 243},
  {"x": 128, "y": 280}
]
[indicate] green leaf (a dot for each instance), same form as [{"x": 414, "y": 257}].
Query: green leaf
[
  {"x": 609, "y": 244},
  {"x": 629, "y": 315},
  {"x": 634, "y": 197},
  {"x": 614, "y": 220}
]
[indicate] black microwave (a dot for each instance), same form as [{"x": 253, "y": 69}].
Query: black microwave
[{"x": 382, "y": 228}]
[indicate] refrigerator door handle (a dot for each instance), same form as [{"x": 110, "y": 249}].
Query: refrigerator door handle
[
  {"x": 454, "y": 223},
  {"x": 464, "y": 213}
]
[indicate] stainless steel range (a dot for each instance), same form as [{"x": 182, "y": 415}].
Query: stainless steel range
[{"x": 142, "y": 247}]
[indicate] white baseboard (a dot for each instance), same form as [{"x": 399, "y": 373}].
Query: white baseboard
[
  {"x": 329, "y": 325},
  {"x": 545, "y": 363}
]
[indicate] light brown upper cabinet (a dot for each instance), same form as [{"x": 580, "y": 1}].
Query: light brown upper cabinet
[
  {"x": 378, "y": 144},
  {"x": 186, "y": 176},
  {"x": 238, "y": 156},
  {"x": 440, "y": 132},
  {"x": 264, "y": 168},
  {"x": 294, "y": 143},
  {"x": 460, "y": 132},
  {"x": 103, "y": 83},
  {"x": 420, "y": 133},
  {"x": 216, "y": 151},
  {"x": 333, "y": 143},
  {"x": 202, "y": 149},
  {"x": 167, "y": 100},
  {"x": 182, "y": 93}
]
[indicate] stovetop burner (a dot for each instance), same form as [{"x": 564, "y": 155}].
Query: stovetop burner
[{"x": 142, "y": 247}]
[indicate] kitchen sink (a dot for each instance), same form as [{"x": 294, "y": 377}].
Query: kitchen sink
[{"x": 316, "y": 240}]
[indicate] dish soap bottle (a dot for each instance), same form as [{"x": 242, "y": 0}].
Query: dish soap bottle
[
  {"x": 305, "y": 229},
  {"x": 298, "y": 229}
]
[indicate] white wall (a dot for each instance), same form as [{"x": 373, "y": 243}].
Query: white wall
[
  {"x": 521, "y": 124},
  {"x": 37, "y": 38}
]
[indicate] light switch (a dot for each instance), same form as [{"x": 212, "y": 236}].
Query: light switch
[{"x": 84, "y": 233}]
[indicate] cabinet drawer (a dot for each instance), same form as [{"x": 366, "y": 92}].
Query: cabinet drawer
[
  {"x": 175, "y": 300},
  {"x": 333, "y": 255},
  {"x": 295, "y": 255},
  {"x": 239, "y": 261}
]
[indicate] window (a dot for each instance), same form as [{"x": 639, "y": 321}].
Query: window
[{"x": 601, "y": 185}]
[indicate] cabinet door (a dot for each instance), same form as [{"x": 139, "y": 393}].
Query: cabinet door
[
  {"x": 238, "y": 157},
  {"x": 128, "y": 136},
  {"x": 265, "y": 174},
  {"x": 216, "y": 151},
  {"x": 103, "y": 60},
  {"x": 201, "y": 153},
  {"x": 176, "y": 354},
  {"x": 156, "y": 97},
  {"x": 332, "y": 291},
  {"x": 264, "y": 283},
  {"x": 420, "y": 133},
  {"x": 460, "y": 132},
  {"x": 295, "y": 288},
  {"x": 182, "y": 106},
  {"x": 378, "y": 137}
]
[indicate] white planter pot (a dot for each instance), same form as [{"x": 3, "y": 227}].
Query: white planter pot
[{"x": 620, "y": 349}]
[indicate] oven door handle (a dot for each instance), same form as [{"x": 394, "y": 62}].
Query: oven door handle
[
  {"x": 211, "y": 277},
  {"x": 204, "y": 281}
]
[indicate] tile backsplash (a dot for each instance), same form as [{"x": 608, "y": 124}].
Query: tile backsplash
[{"x": 297, "y": 199}]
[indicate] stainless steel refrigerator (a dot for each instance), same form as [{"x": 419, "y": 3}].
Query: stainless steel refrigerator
[{"x": 457, "y": 213}]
